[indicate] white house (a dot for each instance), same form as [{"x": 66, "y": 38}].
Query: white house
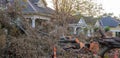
[{"x": 33, "y": 9}]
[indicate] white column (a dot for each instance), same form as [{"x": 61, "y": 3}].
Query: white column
[
  {"x": 75, "y": 32},
  {"x": 33, "y": 22},
  {"x": 88, "y": 33}
]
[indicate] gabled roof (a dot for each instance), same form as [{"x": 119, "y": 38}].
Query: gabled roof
[
  {"x": 82, "y": 22},
  {"x": 30, "y": 7},
  {"x": 34, "y": 1},
  {"x": 97, "y": 24},
  {"x": 108, "y": 21},
  {"x": 3, "y": 2}
]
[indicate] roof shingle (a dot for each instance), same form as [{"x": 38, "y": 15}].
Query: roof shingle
[
  {"x": 31, "y": 7},
  {"x": 109, "y": 21}
]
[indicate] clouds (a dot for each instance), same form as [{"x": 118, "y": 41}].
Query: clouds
[
  {"x": 110, "y": 6},
  {"x": 49, "y": 3}
]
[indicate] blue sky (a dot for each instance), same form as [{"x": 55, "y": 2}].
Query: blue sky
[{"x": 109, "y": 6}]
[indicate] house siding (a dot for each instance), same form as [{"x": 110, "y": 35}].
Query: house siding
[{"x": 114, "y": 30}]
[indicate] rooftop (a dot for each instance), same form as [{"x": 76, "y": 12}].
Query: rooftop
[{"x": 109, "y": 21}]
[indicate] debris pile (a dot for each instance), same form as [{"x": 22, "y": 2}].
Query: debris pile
[{"x": 19, "y": 40}]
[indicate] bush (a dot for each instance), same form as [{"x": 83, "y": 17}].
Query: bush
[{"x": 107, "y": 28}]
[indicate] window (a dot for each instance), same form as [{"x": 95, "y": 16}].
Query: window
[{"x": 117, "y": 34}]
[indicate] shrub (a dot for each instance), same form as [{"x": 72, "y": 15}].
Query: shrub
[{"x": 107, "y": 28}]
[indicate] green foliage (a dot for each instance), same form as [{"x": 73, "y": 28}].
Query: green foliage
[{"x": 107, "y": 28}]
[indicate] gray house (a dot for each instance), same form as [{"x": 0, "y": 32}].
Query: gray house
[
  {"x": 78, "y": 27},
  {"x": 33, "y": 10}
]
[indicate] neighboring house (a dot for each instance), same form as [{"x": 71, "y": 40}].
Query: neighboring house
[
  {"x": 110, "y": 22},
  {"x": 78, "y": 27},
  {"x": 34, "y": 10},
  {"x": 3, "y": 4}
]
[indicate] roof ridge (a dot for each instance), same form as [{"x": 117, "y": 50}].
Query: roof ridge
[{"x": 31, "y": 5}]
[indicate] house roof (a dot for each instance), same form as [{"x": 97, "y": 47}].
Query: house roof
[
  {"x": 30, "y": 6},
  {"x": 108, "y": 21},
  {"x": 3, "y": 2},
  {"x": 82, "y": 22},
  {"x": 34, "y": 1}
]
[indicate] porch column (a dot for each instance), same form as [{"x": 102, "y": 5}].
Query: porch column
[
  {"x": 75, "y": 32},
  {"x": 33, "y": 22},
  {"x": 88, "y": 33}
]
